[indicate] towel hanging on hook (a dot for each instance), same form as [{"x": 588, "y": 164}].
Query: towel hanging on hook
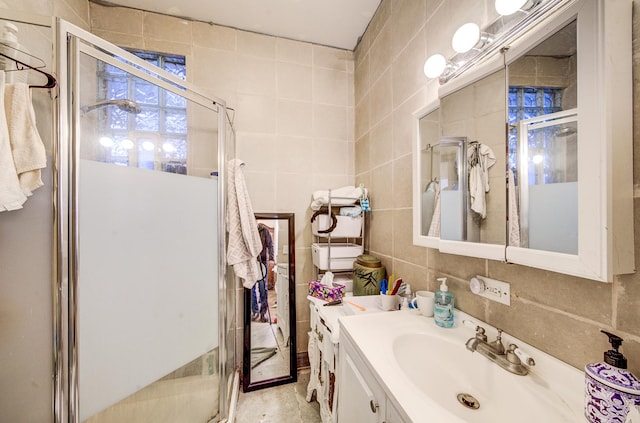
[{"x": 21, "y": 66}]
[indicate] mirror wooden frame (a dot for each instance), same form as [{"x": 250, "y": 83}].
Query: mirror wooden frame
[{"x": 247, "y": 384}]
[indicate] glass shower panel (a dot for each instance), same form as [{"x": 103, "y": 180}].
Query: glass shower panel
[
  {"x": 147, "y": 290},
  {"x": 549, "y": 175}
]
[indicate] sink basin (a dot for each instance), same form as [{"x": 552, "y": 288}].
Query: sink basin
[{"x": 441, "y": 369}]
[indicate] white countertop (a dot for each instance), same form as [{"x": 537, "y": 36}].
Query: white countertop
[
  {"x": 373, "y": 337},
  {"x": 351, "y": 306}
]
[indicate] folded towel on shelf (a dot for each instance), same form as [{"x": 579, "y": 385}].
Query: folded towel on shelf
[
  {"x": 28, "y": 150},
  {"x": 11, "y": 195},
  {"x": 244, "y": 244},
  {"x": 354, "y": 211},
  {"x": 344, "y": 196}
]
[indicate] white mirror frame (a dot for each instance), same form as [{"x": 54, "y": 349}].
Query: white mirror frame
[
  {"x": 605, "y": 153},
  {"x": 418, "y": 237}
]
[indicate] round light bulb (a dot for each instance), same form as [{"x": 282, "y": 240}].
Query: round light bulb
[
  {"x": 126, "y": 143},
  {"x": 168, "y": 147},
  {"x": 466, "y": 37},
  {"x": 148, "y": 146},
  {"x": 106, "y": 142},
  {"x": 537, "y": 159},
  {"x": 509, "y": 7},
  {"x": 435, "y": 65}
]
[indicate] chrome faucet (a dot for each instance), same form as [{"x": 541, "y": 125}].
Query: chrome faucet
[{"x": 510, "y": 359}]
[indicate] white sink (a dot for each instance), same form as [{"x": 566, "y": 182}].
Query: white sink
[
  {"x": 423, "y": 368},
  {"x": 442, "y": 369}
]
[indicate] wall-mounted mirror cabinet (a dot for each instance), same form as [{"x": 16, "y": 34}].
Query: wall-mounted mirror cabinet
[{"x": 546, "y": 126}]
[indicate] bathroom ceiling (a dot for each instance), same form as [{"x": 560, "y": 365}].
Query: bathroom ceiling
[{"x": 335, "y": 23}]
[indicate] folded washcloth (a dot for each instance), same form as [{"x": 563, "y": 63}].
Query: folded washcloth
[
  {"x": 339, "y": 197},
  {"x": 29, "y": 154},
  {"x": 11, "y": 195}
]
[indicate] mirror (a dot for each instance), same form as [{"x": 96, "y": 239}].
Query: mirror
[
  {"x": 427, "y": 168},
  {"x": 269, "y": 351},
  {"x": 568, "y": 207},
  {"x": 543, "y": 145},
  {"x": 475, "y": 116}
]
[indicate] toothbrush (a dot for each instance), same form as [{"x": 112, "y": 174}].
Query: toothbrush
[{"x": 396, "y": 286}]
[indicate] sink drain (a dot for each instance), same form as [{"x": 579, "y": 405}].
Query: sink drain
[{"x": 468, "y": 401}]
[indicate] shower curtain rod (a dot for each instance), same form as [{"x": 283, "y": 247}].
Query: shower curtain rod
[{"x": 20, "y": 66}]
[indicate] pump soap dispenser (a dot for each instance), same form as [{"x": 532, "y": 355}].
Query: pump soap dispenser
[
  {"x": 610, "y": 390},
  {"x": 443, "y": 305}
]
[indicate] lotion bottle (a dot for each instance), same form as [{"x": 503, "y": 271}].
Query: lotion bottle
[
  {"x": 443, "y": 305},
  {"x": 612, "y": 393}
]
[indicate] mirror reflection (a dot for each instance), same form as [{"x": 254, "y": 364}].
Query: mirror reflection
[
  {"x": 269, "y": 352},
  {"x": 542, "y": 146},
  {"x": 476, "y": 114},
  {"x": 429, "y": 134}
]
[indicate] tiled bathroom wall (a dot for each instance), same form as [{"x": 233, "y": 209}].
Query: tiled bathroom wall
[
  {"x": 293, "y": 112},
  {"x": 559, "y": 314}
]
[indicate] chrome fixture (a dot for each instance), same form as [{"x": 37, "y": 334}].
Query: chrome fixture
[
  {"x": 124, "y": 104},
  {"x": 510, "y": 359},
  {"x": 472, "y": 43}
]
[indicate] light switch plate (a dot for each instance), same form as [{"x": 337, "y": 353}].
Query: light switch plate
[{"x": 492, "y": 289}]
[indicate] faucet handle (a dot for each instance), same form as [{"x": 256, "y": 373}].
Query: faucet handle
[
  {"x": 480, "y": 333},
  {"x": 520, "y": 355}
]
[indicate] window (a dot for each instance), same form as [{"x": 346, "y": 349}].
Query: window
[
  {"x": 155, "y": 136},
  {"x": 526, "y": 103}
]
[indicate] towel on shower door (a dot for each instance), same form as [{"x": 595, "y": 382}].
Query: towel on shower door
[
  {"x": 484, "y": 158},
  {"x": 244, "y": 243},
  {"x": 11, "y": 195},
  {"x": 29, "y": 154},
  {"x": 514, "y": 215}
]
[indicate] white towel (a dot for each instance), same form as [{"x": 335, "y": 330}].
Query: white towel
[
  {"x": 479, "y": 177},
  {"x": 514, "y": 216},
  {"x": 339, "y": 197},
  {"x": 244, "y": 243},
  {"x": 434, "y": 227},
  {"x": 11, "y": 195},
  {"x": 29, "y": 154}
]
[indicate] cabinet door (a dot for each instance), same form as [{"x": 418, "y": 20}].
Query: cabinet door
[
  {"x": 361, "y": 400},
  {"x": 393, "y": 416}
]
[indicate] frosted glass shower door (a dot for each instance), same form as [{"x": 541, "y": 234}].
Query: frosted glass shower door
[{"x": 147, "y": 206}]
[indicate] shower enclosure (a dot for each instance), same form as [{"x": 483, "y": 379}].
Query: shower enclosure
[{"x": 144, "y": 307}]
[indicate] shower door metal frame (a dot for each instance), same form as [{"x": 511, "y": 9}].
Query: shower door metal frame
[{"x": 71, "y": 41}]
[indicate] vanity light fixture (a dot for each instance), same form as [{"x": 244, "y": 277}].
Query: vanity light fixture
[
  {"x": 509, "y": 7},
  {"x": 106, "y": 142},
  {"x": 126, "y": 143},
  {"x": 466, "y": 37},
  {"x": 435, "y": 66},
  {"x": 472, "y": 44}
]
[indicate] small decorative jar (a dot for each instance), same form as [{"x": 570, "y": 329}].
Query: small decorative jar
[
  {"x": 611, "y": 391},
  {"x": 368, "y": 272}
]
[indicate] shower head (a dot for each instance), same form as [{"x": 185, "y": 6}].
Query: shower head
[{"x": 125, "y": 104}]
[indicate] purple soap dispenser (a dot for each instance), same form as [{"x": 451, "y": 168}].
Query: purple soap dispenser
[{"x": 611, "y": 391}]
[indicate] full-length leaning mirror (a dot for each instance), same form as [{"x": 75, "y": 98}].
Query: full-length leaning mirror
[{"x": 269, "y": 351}]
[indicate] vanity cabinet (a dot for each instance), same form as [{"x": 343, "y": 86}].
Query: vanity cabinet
[
  {"x": 323, "y": 356},
  {"x": 361, "y": 399}
]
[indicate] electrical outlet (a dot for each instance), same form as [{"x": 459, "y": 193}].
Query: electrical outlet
[{"x": 492, "y": 289}]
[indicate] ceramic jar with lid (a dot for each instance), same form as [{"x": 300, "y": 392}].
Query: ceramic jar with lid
[{"x": 368, "y": 272}]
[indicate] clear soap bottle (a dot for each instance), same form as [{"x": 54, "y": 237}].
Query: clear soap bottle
[{"x": 443, "y": 305}]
